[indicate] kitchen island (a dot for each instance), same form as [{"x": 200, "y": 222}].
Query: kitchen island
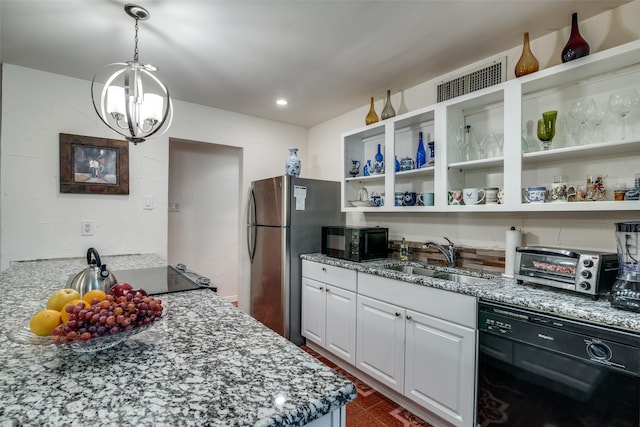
[{"x": 204, "y": 363}]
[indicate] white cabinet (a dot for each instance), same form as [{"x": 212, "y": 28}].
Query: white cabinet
[
  {"x": 420, "y": 342},
  {"x": 380, "y": 341},
  {"x": 504, "y": 150},
  {"x": 440, "y": 366},
  {"x": 329, "y": 308}
]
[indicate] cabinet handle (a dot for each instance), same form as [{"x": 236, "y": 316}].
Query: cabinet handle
[
  {"x": 409, "y": 317},
  {"x": 397, "y": 314},
  {"x": 321, "y": 288},
  {"x": 328, "y": 290},
  {"x": 324, "y": 269}
]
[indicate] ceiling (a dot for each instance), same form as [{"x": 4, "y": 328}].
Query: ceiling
[{"x": 327, "y": 57}]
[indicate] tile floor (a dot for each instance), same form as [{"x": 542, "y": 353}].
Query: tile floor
[{"x": 370, "y": 408}]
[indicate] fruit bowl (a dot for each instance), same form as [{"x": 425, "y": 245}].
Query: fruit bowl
[{"x": 23, "y": 335}]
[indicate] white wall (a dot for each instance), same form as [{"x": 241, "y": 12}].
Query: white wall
[
  {"x": 204, "y": 228},
  {"x": 586, "y": 230},
  {"x": 37, "y": 221}
]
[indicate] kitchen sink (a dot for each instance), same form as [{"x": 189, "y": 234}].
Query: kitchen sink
[
  {"x": 410, "y": 269},
  {"x": 461, "y": 278},
  {"x": 454, "y": 277}
]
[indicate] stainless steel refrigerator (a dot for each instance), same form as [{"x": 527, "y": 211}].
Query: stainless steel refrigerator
[{"x": 285, "y": 219}]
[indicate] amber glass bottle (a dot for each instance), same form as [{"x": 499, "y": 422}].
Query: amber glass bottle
[
  {"x": 372, "y": 117},
  {"x": 527, "y": 63}
]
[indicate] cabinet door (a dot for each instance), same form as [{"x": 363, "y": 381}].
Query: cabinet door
[
  {"x": 313, "y": 311},
  {"x": 341, "y": 323},
  {"x": 380, "y": 341},
  {"x": 440, "y": 367}
]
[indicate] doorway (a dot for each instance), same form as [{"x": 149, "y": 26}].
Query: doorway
[{"x": 204, "y": 211}]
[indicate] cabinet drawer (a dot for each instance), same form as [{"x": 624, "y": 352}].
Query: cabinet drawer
[
  {"x": 340, "y": 277},
  {"x": 446, "y": 305}
]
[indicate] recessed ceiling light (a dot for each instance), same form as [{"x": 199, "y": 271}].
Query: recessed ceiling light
[{"x": 281, "y": 102}]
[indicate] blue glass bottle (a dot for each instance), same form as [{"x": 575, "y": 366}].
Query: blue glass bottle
[
  {"x": 421, "y": 154},
  {"x": 397, "y": 165}
]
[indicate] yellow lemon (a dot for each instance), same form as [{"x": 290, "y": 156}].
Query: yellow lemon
[
  {"x": 44, "y": 321},
  {"x": 59, "y": 298},
  {"x": 94, "y": 294},
  {"x": 64, "y": 314}
]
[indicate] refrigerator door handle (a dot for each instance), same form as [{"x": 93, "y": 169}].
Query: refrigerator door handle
[{"x": 252, "y": 230}]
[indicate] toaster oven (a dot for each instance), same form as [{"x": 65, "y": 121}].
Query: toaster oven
[{"x": 583, "y": 271}]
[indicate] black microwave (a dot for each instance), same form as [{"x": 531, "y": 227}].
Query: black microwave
[{"x": 355, "y": 243}]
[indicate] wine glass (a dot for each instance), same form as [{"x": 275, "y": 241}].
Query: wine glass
[
  {"x": 578, "y": 112},
  {"x": 597, "y": 116},
  {"x": 547, "y": 128},
  {"x": 622, "y": 103}
]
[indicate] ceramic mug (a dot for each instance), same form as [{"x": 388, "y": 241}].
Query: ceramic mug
[
  {"x": 409, "y": 199},
  {"x": 375, "y": 200},
  {"x": 398, "y": 198},
  {"x": 455, "y": 197},
  {"x": 491, "y": 195},
  {"x": 425, "y": 199},
  {"x": 534, "y": 194},
  {"x": 406, "y": 164},
  {"x": 473, "y": 196},
  {"x": 562, "y": 192}
]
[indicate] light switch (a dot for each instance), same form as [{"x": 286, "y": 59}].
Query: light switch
[{"x": 148, "y": 202}]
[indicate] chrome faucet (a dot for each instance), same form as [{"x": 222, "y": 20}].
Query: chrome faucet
[{"x": 449, "y": 253}]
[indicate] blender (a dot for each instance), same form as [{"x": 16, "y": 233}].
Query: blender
[{"x": 625, "y": 293}]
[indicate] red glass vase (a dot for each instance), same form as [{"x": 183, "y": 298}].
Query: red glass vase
[{"x": 576, "y": 46}]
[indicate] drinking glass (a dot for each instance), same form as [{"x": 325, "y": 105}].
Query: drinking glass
[
  {"x": 547, "y": 128},
  {"x": 579, "y": 112},
  {"x": 597, "y": 116},
  {"x": 622, "y": 103}
]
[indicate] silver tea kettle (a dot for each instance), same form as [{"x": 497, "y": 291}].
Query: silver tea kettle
[{"x": 96, "y": 276}]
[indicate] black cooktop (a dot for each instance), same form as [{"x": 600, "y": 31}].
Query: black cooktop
[{"x": 163, "y": 280}]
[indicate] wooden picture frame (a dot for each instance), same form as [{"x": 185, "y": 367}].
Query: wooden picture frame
[{"x": 91, "y": 165}]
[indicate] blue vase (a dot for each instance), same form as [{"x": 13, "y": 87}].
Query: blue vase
[
  {"x": 292, "y": 166},
  {"x": 367, "y": 167},
  {"x": 397, "y": 165},
  {"x": 379, "y": 156},
  {"x": 421, "y": 154}
]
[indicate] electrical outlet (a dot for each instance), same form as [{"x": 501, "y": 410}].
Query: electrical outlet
[{"x": 87, "y": 227}]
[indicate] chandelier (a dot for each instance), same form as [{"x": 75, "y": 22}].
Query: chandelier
[{"x": 128, "y": 97}]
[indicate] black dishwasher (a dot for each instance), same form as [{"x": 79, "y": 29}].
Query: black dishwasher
[{"x": 537, "y": 370}]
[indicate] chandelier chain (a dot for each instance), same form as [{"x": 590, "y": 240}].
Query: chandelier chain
[{"x": 135, "y": 52}]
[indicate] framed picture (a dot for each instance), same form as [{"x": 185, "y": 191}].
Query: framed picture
[{"x": 93, "y": 165}]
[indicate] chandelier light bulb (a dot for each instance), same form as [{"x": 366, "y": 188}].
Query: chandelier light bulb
[{"x": 129, "y": 98}]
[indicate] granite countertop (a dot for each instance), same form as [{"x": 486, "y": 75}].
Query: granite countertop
[
  {"x": 503, "y": 290},
  {"x": 206, "y": 363}
]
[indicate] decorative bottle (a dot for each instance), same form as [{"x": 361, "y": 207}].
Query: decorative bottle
[
  {"x": 421, "y": 154},
  {"x": 527, "y": 63},
  {"x": 432, "y": 152},
  {"x": 403, "y": 251},
  {"x": 367, "y": 168},
  {"x": 292, "y": 165},
  {"x": 388, "y": 110},
  {"x": 372, "y": 117},
  {"x": 378, "y": 165},
  {"x": 397, "y": 164},
  {"x": 576, "y": 46}
]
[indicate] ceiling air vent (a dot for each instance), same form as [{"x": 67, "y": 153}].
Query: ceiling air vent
[{"x": 479, "y": 78}]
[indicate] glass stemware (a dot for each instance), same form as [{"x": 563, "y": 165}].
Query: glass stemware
[
  {"x": 597, "y": 116},
  {"x": 547, "y": 128},
  {"x": 622, "y": 103},
  {"x": 579, "y": 112}
]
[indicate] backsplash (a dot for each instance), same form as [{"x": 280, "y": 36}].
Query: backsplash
[{"x": 482, "y": 260}]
